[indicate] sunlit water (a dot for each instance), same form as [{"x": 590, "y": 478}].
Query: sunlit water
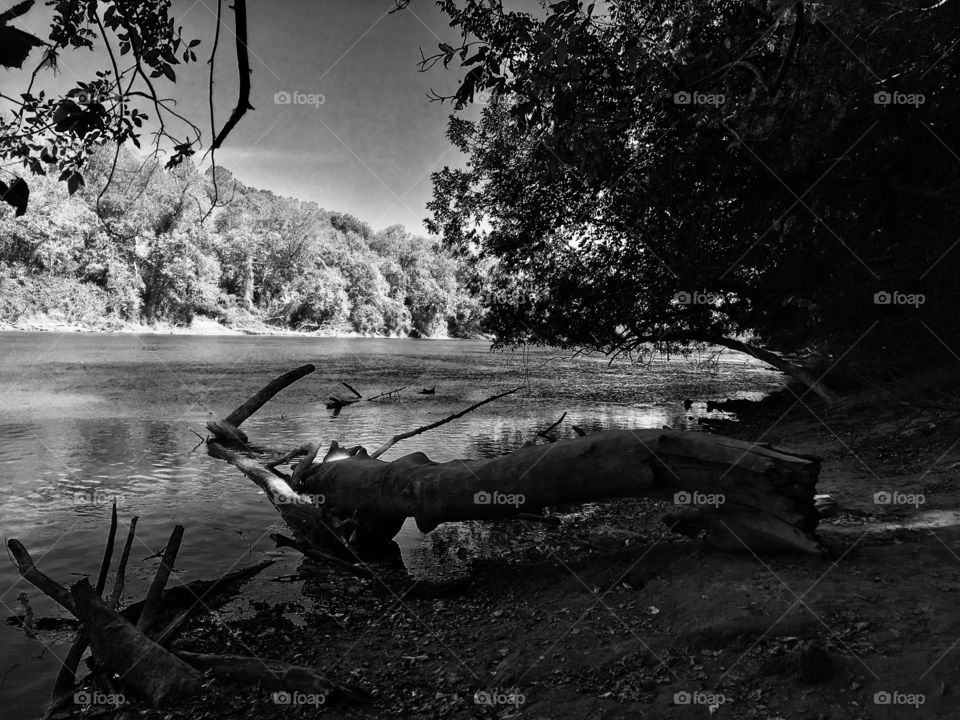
[{"x": 86, "y": 418}]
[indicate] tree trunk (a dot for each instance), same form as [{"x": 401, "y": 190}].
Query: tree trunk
[{"x": 760, "y": 494}]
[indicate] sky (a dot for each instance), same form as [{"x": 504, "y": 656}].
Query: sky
[{"x": 361, "y": 137}]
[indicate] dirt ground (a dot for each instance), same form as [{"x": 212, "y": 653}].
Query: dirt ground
[{"x": 609, "y": 615}]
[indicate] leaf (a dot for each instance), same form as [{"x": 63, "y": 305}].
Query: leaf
[
  {"x": 168, "y": 71},
  {"x": 74, "y": 182},
  {"x": 193, "y": 43}
]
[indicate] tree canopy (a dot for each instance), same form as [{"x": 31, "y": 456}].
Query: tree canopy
[{"x": 780, "y": 173}]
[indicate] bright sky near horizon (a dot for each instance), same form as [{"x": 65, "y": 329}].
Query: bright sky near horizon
[{"x": 364, "y": 143}]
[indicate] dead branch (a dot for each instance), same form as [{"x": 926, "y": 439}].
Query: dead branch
[
  {"x": 243, "y": 67},
  {"x": 411, "y": 433},
  {"x": 287, "y": 457},
  {"x": 350, "y": 387},
  {"x": 228, "y": 429},
  {"x": 386, "y": 394},
  {"x": 304, "y": 465},
  {"x": 151, "y": 605},
  {"x": 32, "y": 574},
  {"x": 545, "y": 434},
  {"x": 121, "y": 576},
  {"x": 121, "y": 648},
  {"x": 107, "y": 551}
]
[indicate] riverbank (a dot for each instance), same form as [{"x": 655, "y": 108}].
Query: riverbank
[
  {"x": 199, "y": 326},
  {"x": 609, "y": 615}
]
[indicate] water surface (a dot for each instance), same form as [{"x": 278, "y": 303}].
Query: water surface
[{"x": 86, "y": 418}]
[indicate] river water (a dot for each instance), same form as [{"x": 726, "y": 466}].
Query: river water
[{"x": 87, "y": 418}]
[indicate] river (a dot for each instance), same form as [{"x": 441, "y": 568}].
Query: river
[{"x": 85, "y": 418}]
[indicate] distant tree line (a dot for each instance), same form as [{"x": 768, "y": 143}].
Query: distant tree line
[{"x": 152, "y": 245}]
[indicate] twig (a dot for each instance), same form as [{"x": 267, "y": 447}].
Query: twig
[
  {"x": 409, "y": 434},
  {"x": 545, "y": 434},
  {"x": 151, "y": 605},
  {"x": 384, "y": 394}
]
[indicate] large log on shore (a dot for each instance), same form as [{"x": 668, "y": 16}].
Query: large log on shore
[
  {"x": 761, "y": 495},
  {"x": 746, "y": 496}
]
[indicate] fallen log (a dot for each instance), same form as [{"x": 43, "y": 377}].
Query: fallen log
[
  {"x": 120, "y": 648},
  {"x": 765, "y": 493},
  {"x": 751, "y": 497}
]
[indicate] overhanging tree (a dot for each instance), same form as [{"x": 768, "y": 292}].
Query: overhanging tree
[{"x": 748, "y": 174}]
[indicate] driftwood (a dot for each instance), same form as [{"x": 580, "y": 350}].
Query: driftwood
[
  {"x": 124, "y": 651},
  {"x": 67, "y": 677},
  {"x": 229, "y": 427},
  {"x": 121, "y": 577},
  {"x": 748, "y": 496},
  {"x": 107, "y": 552},
  {"x": 32, "y": 574},
  {"x": 121, "y": 648},
  {"x": 151, "y": 604}
]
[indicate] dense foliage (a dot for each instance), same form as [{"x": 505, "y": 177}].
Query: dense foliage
[
  {"x": 50, "y": 132},
  {"x": 135, "y": 250},
  {"x": 774, "y": 171}
]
